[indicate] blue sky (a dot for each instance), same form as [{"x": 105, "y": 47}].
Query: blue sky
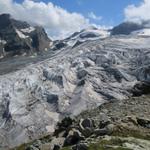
[{"x": 111, "y": 11}]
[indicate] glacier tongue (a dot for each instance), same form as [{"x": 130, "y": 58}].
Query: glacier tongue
[{"x": 33, "y": 99}]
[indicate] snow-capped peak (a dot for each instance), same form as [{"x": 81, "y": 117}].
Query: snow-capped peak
[{"x": 90, "y": 33}]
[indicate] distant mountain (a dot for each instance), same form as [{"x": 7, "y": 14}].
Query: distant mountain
[
  {"x": 126, "y": 28},
  {"x": 77, "y": 38},
  {"x": 20, "y": 38}
]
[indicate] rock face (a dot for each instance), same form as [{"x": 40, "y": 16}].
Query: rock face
[
  {"x": 73, "y": 79},
  {"x": 126, "y": 28},
  {"x": 19, "y": 38}
]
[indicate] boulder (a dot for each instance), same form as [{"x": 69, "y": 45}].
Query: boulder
[
  {"x": 57, "y": 143},
  {"x": 81, "y": 74},
  {"x": 105, "y": 131},
  {"x": 63, "y": 127},
  {"x": 101, "y": 132},
  {"x": 110, "y": 128},
  {"x": 86, "y": 126},
  {"x": 144, "y": 122},
  {"x": 32, "y": 148},
  {"x": 104, "y": 120},
  {"x": 86, "y": 123},
  {"x": 53, "y": 77},
  {"x": 52, "y": 98},
  {"x": 141, "y": 88},
  {"x": 56, "y": 147},
  {"x": 74, "y": 136}
]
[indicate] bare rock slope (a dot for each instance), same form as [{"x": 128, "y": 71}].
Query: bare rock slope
[{"x": 20, "y": 38}]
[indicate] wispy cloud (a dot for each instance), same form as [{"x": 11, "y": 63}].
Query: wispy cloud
[
  {"x": 92, "y": 15},
  {"x": 57, "y": 21}
]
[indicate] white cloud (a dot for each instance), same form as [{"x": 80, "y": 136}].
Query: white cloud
[
  {"x": 138, "y": 13},
  {"x": 57, "y": 21},
  {"x": 91, "y": 15}
]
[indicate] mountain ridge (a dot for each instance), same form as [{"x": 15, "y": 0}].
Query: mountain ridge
[{"x": 20, "y": 38}]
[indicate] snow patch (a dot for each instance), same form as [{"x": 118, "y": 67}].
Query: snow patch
[
  {"x": 98, "y": 32},
  {"x": 21, "y": 35},
  {"x": 88, "y": 34},
  {"x": 3, "y": 42},
  {"x": 28, "y": 30}
]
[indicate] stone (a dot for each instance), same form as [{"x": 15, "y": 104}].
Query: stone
[
  {"x": 81, "y": 83},
  {"x": 65, "y": 123},
  {"x": 141, "y": 88},
  {"x": 86, "y": 123},
  {"x": 86, "y": 126},
  {"x": 110, "y": 128},
  {"x": 74, "y": 136},
  {"x": 56, "y": 147},
  {"x": 104, "y": 120},
  {"x": 32, "y": 148},
  {"x": 57, "y": 143},
  {"x": 144, "y": 122},
  {"x": 81, "y": 74},
  {"x": 101, "y": 132},
  {"x": 105, "y": 131},
  {"x": 52, "y": 99},
  {"x": 37, "y": 143},
  {"x": 63, "y": 127},
  {"x": 87, "y": 132},
  {"x": 56, "y": 78}
]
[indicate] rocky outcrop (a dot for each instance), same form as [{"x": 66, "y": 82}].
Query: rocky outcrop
[
  {"x": 144, "y": 122},
  {"x": 141, "y": 88},
  {"x": 20, "y": 38},
  {"x": 126, "y": 28}
]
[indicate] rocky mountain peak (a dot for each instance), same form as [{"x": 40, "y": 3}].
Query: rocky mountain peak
[
  {"x": 126, "y": 28},
  {"x": 7, "y": 20},
  {"x": 20, "y": 38}
]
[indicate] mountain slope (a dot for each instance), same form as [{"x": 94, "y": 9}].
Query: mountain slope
[
  {"x": 19, "y": 38},
  {"x": 126, "y": 28}
]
